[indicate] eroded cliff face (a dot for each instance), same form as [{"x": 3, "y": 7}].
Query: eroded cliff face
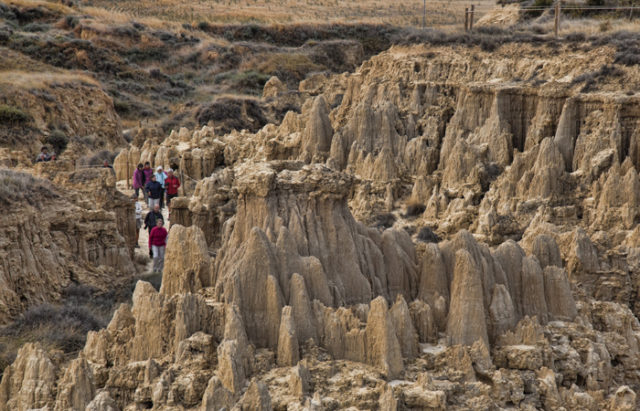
[
  {"x": 50, "y": 242},
  {"x": 513, "y": 285},
  {"x": 60, "y": 100}
]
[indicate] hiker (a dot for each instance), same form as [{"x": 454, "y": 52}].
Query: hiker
[
  {"x": 154, "y": 192},
  {"x": 105, "y": 164},
  {"x": 148, "y": 172},
  {"x": 44, "y": 155},
  {"x": 160, "y": 177},
  {"x": 138, "y": 215},
  {"x": 152, "y": 218},
  {"x": 157, "y": 244},
  {"x": 172, "y": 183},
  {"x": 139, "y": 181}
]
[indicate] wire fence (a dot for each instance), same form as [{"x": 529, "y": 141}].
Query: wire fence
[{"x": 557, "y": 8}]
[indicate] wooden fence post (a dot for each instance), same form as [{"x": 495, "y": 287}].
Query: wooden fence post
[
  {"x": 128, "y": 185},
  {"x": 557, "y": 18},
  {"x": 471, "y": 17},
  {"x": 466, "y": 19}
]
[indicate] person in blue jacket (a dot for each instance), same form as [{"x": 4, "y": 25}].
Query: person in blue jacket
[
  {"x": 154, "y": 191},
  {"x": 160, "y": 177}
]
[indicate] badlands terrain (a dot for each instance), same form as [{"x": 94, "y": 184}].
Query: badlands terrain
[{"x": 371, "y": 217}]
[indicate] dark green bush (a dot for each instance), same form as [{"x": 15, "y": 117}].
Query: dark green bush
[
  {"x": 415, "y": 209},
  {"x": 427, "y": 235},
  {"x": 248, "y": 82},
  {"x": 13, "y": 115},
  {"x": 384, "y": 221},
  {"x": 58, "y": 140}
]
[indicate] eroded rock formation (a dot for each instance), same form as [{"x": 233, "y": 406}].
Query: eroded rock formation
[{"x": 443, "y": 229}]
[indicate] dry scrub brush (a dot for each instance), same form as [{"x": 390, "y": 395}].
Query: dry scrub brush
[{"x": 16, "y": 187}]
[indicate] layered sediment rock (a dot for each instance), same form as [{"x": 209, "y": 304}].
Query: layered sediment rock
[
  {"x": 527, "y": 302},
  {"x": 58, "y": 240}
]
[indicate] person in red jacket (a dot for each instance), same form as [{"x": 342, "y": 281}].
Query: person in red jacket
[
  {"x": 157, "y": 244},
  {"x": 171, "y": 184}
]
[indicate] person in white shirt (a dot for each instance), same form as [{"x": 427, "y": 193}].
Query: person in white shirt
[{"x": 138, "y": 206}]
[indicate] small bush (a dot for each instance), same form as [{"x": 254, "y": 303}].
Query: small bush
[
  {"x": 428, "y": 236},
  {"x": 11, "y": 115},
  {"x": 36, "y": 27},
  {"x": 62, "y": 327},
  {"x": 58, "y": 140},
  {"x": 604, "y": 26},
  {"x": 249, "y": 82},
  {"x": 576, "y": 37},
  {"x": 71, "y": 21},
  {"x": 384, "y": 221},
  {"x": 415, "y": 209},
  {"x": 228, "y": 114}
]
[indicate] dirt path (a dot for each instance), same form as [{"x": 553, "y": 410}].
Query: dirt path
[{"x": 143, "y": 239}]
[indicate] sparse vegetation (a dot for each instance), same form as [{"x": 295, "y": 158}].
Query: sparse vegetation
[
  {"x": 62, "y": 326},
  {"x": 97, "y": 159},
  {"x": 16, "y": 186},
  {"x": 591, "y": 79},
  {"x": 10, "y": 115}
]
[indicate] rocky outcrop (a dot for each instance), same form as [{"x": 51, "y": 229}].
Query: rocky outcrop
[
  {"x": 274, "y": 235},
  {"x": 188, "y": 265},
  {"x": 29, "y": 382},
  {"x": 499, "y": 269},
  {"x": 53, "y": 241},
  {"x": 466, "y": 323}
]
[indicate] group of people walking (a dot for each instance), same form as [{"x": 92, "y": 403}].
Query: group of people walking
[{"x": 156, "y": 187}]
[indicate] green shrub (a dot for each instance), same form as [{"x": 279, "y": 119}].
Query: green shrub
[
  {"x": 58, "y": 140},
  {"x": 13, "y": 115},
  {"x": 426, "y": 235},
  {"x": 415, "y": 209}
]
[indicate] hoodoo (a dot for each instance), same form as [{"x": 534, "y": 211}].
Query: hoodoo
[{"x": 443, "y": 227}]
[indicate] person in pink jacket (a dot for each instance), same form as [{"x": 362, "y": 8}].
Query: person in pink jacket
[
  {"x": 157, "y": 244},
  {"x": 138, "y": 180}
]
